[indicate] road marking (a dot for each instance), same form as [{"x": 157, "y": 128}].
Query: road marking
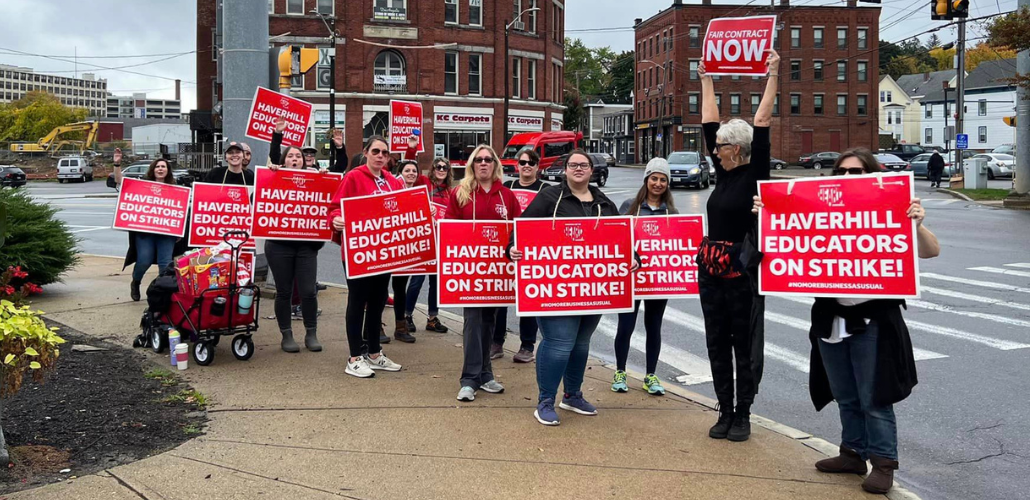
[
  {"x": 62, "y": 212},
  {"x": 974, "y": 298},
  {"x": 995, "y": 270},
  {"x": 1024, "y": 265},
  {"x": 969, "y": 314},
  {"x": 697, "y": 370},
  {"x": 984, "y": 284},
  {"x": 920, "y": 354},
  {"x": 89, "y": 228},
  {"x": 941, "y": 201}
]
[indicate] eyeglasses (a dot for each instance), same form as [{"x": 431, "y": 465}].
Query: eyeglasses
[
  {"x": 578, "y": 166},
  {"x": 440, "y": 168},
  {"x": 851, "y": 171},
  {"x": 484, "y": 159},
  {"x": 523, "y": 163},
  {"x": 720, "y": 145},
  {"x": 377, "y": 152}
]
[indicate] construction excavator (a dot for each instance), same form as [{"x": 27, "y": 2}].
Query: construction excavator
[{"x": 50, "y": 144}]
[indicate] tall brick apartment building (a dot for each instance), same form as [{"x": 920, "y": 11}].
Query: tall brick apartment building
[
  {"x": 828, "y": 78},
  {"x": 385, "y": 51}
]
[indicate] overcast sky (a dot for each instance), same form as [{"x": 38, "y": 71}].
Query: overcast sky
[{"x": 93, "y": 28}]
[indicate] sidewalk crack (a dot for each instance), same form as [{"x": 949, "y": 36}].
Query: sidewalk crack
[
  {"x": 128, "y": 486},
  {"x": 274, "y": 479}
]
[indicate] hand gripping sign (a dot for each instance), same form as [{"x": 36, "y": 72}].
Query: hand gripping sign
[
  {"x": 269, "y": 105},
  {"x": 525, "y": 197},
  {"x": 574, "y": 266},
  {"x": 152, "y": 207},
  {"x": 667, "y": 246},
  {"x": 737, "y": 45},
  {"x": 474, "y": 270},
  {"x": 842, "y": 236},
  {"x": 387, "y": 232},
  {"x": 292, "y": 204},
  {"x": 437, "y": 211},
  {"x": 217, "y": 209},
  {"x": 405, "y": 118}
]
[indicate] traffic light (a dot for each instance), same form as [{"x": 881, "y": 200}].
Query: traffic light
[
  {"x": 1010, "y": 121},
  {"x": 959, "y": 9},
  {"x": 295, "y": 61},
  {"x": 940, "y": 10}
]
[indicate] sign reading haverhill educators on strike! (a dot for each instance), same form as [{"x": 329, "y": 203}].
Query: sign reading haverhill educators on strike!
[
  {"x": 217, "y": 209},
  {"x": 843, "y": 236},
  {"x": 293, "y": 204},
  {"x": 737, "y": 45},
  {"x": 474, "y": 271},
  {"x": 387, "y": 232},
  {"x": 405, "y": 118},
  {"x": 152, "y": 207},
  {"x": 269, "y": 105},
  {"x": 667, "y": 246},
  {"x": 437, "y": 211},
  {"x": 574, "y": 266}
]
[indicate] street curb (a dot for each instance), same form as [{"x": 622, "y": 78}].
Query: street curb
[
  {"x": 956, "y": 194},
  {"x": 631, "y": 166},
  {"x": 111, "y": 195}
]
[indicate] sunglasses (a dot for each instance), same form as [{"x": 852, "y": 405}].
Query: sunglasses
[
  {"x": 720, "y": 145},
  {"x": 441, "y": 168},
  {"x": 484, "y": 159},
  {"x": 308, "y": 154},
  {"x": 851, "y": 171},
  {"x": 523, "y": 163},
  {"x": 377, "y": 152}
]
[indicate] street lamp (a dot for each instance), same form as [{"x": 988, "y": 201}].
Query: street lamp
[
  {"x": 661, "y": 109},
  {"x": 332, "y": 63},
  {"x": 507, "y": 77}
]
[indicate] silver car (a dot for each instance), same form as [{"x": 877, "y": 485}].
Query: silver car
[
  {"x": 998, "y": 165},
  {"x": 920, "y": 162}
]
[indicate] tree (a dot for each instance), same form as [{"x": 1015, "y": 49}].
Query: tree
[
  {"x": 585, "y": 68},
  {"x": 983, "y": 52},
  {"x": 573, "y": 108},
  {"x": 621, "y": 81},
  {"x": 945, "y": 59},
  {"x": 1011, "y": 32},
  {"x": 905, "y": 58},
  {"x": 34, "y": 116},
  {"x": 933, "y": 42}
]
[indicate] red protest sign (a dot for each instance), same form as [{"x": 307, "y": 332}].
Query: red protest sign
[
  {"x": 667, "y": 246},
  {"x": 151, "y": 207},
  {"x": 387, "y": 232},
  {"x": 574, "y": 266},
  {"x": 436, "y": 211},
  {"x": 293, "y": 204},
  {"x": 269, "y": 105},
  {"x": 474, "y": 271},
  {"x": 405, "y": 117},
  {"x": 737, "y": 45},
  {"x": 525, "y": 197},
  {"x": 217, "y": 209},
  {"x": 843, "y": 236}
]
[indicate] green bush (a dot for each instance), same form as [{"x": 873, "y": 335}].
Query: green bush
[
  {"x": 27, "y": 346},
  {"x": 35, "y": 239}
]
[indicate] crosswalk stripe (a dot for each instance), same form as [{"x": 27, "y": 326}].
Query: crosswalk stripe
[
  {"x": 975, "y": 298},
  {"x": 982, "y": 284},
  {"x": 1024, "y": 265},
  {"x": 969, "y": 314},
  {"x": 996, "y": 270},
  {"x": 919, "y": 354},
  {"x": 939, "y": 201},
  {"x": 697, "y": 370}
]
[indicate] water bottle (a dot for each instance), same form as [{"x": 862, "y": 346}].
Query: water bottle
[{"x": 173, "y": 340}]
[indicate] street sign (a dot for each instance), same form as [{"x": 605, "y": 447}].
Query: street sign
[{"x": 962, "y": 141}]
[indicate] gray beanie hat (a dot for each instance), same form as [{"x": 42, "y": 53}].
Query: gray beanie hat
[{"x": 659, "y": 166}]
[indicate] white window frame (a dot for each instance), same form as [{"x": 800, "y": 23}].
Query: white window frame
[
  {"x": 820, "y": 66},
  {"x": 981, "y": 107},
  {"x": 792, "y": 45},
  {"x": 842, "y": 105},
  {"x": 928, "y": 111},
  {"x": 862, "y": 71},
  {"x": 271, "y": 6},
  {"x": 842, "y": 76},
  {"x": 447, "y": 55},
  {"x": 981, "y": 133},
  {"x": 332, "y": 8},
  {"x": 531, "y": 80},
  {"x": 821, "y": 99},
  {"x": 479, "y": 21},
  {"x": 532, "y": 19},
  {"x": 756, "y": 101},
  {"x": 928, "y": 135},
  {"x": 478, "y": 75},
  {"x": 845, "y": 38},
  {"x": 857, "y": 105},
  {"x": 301, "y": 13},
  {"x": 822, "y": 37},
  {"x": 735, "y": 97},
  {"x": 457, "y": 11},
  {"x": 862, "y": 41},
  {"x": 516, "y": 77},
  {"x": 791, "y": 106}
]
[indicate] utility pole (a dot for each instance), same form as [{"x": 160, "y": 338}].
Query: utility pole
[
  {"x": 960, "y": 91},
  {"x": 1020, "y": 195}
]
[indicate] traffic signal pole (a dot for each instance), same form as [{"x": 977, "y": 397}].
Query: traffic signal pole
[
  {"x": 1021, "y": 183},
  {"x": 960, "y": 97}
]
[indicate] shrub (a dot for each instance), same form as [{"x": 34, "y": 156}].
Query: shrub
[
  {"x": 15, "y": 286},
  {"x": 27, "y": 346},
  {"x": 35, "y": 239}
]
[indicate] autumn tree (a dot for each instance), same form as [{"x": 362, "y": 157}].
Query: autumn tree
[
  {"x": 1011, "y": 33},
  {"x": 34, "y": 116}
]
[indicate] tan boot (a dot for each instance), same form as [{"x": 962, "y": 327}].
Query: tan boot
[
  {"x": 401, "y": 333},
  {"x": 847, "y": 462},
  {"x": 881, "y": 479}
]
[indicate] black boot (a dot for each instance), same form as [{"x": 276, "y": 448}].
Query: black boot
[
  {"x": 134, "y": 291},
  {"x": 741, "y": 428},
  {"x": 288, "y": 344},
  {"x": 311, "y": 341},
  {"x": 722, "y": 427}
]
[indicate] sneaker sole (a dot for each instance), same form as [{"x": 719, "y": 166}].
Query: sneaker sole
[
  {"x": 576, "y": 410},
  {"x": 536, "y": 413},
  {"x": 473, "y": 398},
  {"x": 491, "y": 391},
  {"x": 738, "y": 440},
  {"x": 659, "y": 392},
  {"x": 383, "y": 368},
  {"x": 356, "y": 374},
  {"x": 524, "y": 361},
  {"x": 620, "y": 389}
]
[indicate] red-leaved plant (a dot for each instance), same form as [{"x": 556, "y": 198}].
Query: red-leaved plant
[{"x": 15, "y": 286}]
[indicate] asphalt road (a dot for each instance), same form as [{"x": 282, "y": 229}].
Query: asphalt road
[{"x": 962, "y": 434}]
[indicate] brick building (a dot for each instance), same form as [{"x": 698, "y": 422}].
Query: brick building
[
  {"x": 386, "y": 51},
  {"x": 827, "y": 86}
]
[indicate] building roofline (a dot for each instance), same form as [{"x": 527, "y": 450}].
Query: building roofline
[{"x": 777, "y": 9}]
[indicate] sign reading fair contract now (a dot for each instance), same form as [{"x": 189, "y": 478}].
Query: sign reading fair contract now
[
  {"x": 405, "y": 118},
  {"x": 737, "y": 45},
  {"x": 842, "y": 236},
  {"x": 474, "y": 270},
  {"x": 667, "y": 246},
  {"x": 293, "y": 204},
  {"x": 217, "y": 209},
  {"x": 574, "y": 266},
  {"x": 387, "y": 232},
  {"x": 269, "y": 105},
  {"x": 152, "y": 207}
]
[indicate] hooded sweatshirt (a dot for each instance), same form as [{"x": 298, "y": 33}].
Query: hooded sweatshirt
[
  {"x": 361, "y": 182},
  {"x": 497, "y": 204}
]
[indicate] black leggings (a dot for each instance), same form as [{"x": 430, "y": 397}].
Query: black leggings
[
  {"x": 293, "y": 264},
  {"x": 734, "y": 330},
  {"x": 527, "y": 330},
  {"x": 400, "y": 297},
  {"x": 366, "y": 299},
  {"x": 654, "y": 311}
]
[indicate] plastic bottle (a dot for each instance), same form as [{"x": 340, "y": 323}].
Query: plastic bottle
[{"x": 173, "y": 340}]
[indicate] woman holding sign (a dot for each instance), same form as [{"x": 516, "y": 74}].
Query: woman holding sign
[
  {"x": 654, "y": 198},
  {"x": 862, "y": 357},
  {"x": 439, "y": 185},
  {"x": 734, "y": 312},
  {"x": 410, "y": 175},
  {"x": 367, "y": 297},
  {"x": 480, "y": 196},
  {"x": 565, "y": 343}
]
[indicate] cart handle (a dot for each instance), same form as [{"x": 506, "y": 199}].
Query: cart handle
[{"x": 243, "y": 235}]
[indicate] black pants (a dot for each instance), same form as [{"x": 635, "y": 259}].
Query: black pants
[
  {"x": 400, "y": 297},
  {"x": 734, "y": 329},
  {"x": 476, "y": 332},
  {"x": 293, "y": 263},
  {"x": 527, "y": 329},
  {"x": 935, "y": 177},
  {"x": 366, "y": 299},
  {"x": 654, "y": 311}
]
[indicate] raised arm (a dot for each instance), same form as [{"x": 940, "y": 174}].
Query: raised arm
[
  {"x": 763, "y": 117},
  {"x": 709, "y": 109},
  {"x": 117, "y": 166}
]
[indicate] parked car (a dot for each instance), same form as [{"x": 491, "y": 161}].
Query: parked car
[
  {"x": 74, "y": 168},
  {"x": 688, "y": 169},
  {"x": 905, "y": 151},
  {"x": 998, "y": 165},
  {"x": 711, "y": 169},
  {"x": 819, "y": 160},
  {"x": 777, "y": 164},
  {"x": 556, "y": 171},
  {"x": 549, "y": 145},
  {"x": 138, "y": 169},
  {"x": 891, "y": 163},
  {"x": 1005, "y": 149},
  {"x": 608, "y": 159},
  {"x": 11, "y": 176},
  {"x": 920, "y": 169}
]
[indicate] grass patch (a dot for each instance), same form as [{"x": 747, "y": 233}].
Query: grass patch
[
  {"x": 190, "y": 397},
  {"x": 985, "y": 194},
  {"x": 166, "y": 377},
  {"x": 191, "y": 429}
]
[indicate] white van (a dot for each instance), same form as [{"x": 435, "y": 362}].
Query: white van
[{"x": 74, "y": 168}]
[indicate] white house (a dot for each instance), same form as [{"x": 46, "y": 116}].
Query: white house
[
  {"x": 596, "y": 111},
  {"x": 901, "y": 110},
  {"x": 988, "y": 98}
]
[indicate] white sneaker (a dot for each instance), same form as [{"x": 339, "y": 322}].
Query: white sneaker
[
  {"x": 359, "y": 368},
  {"x": 493, "y": 387},
  {"x": 382, "y": 363}
]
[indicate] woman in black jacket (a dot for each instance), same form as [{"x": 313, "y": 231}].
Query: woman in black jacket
[
  {"x": 935, "y": 168},
  {"x": 565, "y": 345}
]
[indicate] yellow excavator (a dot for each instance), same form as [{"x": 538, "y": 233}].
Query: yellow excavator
[{"x": 51, "y": 145}]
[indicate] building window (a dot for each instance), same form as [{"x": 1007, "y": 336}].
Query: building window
[
  {"x": 692, "y": 104},
  {"x": 530, "y": 18},
  {"x": 388, "y": 72},
  {"x": 817, "y": 71},
  {"x": 516, "y": 76},
  {"x": 795, "y": 104},
  {"x": 531, "y": 80},
  {"x": 928, "y": 136},
  {"x": 863, "y": 74},
  {"x": 982, "y": 132},
  {"x": 842, "y": 105},
  {"x": 981, "y": 108},
  {"x": 388, "y": 10},
  {"x": 475, "y": 74},
  {"x": 863, "y": 37},
  {"x": 450, "y": 11},
  {"x": 693, "y": 70},
  {"x": 842, "y": 71},
  {"x": 795, "y": 69},
  {"x": 928, "y": 111},
  {"x": 842, "y": 38},
  {"x": 271, "y": 6},
  {"x": 695, "y": 37},
  {"x": 756, "y": 100},
  {"x": 795, "y": 38},
  {"x": 295, "y": 7},
  {"x": 897, "y": 118},
  {"x": 863, "y": 105},
  {"x": 817, "y": 104},
  {"x": 450, "y": 73},
  {"x": 718, "y": 102},
  {"x": 325, "y": 7},
  {"x": 776, "y": 105},
  {"x": 476, "y": 14},
  {"x": 556, "y": 14},
  {"x": 817, "y": 38},
  {"x": 734, "y": 104}
]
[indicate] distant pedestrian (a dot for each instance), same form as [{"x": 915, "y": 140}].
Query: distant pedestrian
[{"x": 934, "y": 169}]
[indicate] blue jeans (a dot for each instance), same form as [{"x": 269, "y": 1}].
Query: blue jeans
[
  {"x": 851, "y": 368},
  {"x": 414, "y": 288},
  {"x": 152, "y": 249},
  {"x": 563, "y": 351}
]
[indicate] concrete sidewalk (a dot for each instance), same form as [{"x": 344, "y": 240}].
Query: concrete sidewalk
[{"x": 295, "y": 426}]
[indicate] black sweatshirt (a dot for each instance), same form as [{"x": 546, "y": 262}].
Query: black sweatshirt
[
  {"x": 536, "y": 186},
  {"x": 729, "y": 206}
]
